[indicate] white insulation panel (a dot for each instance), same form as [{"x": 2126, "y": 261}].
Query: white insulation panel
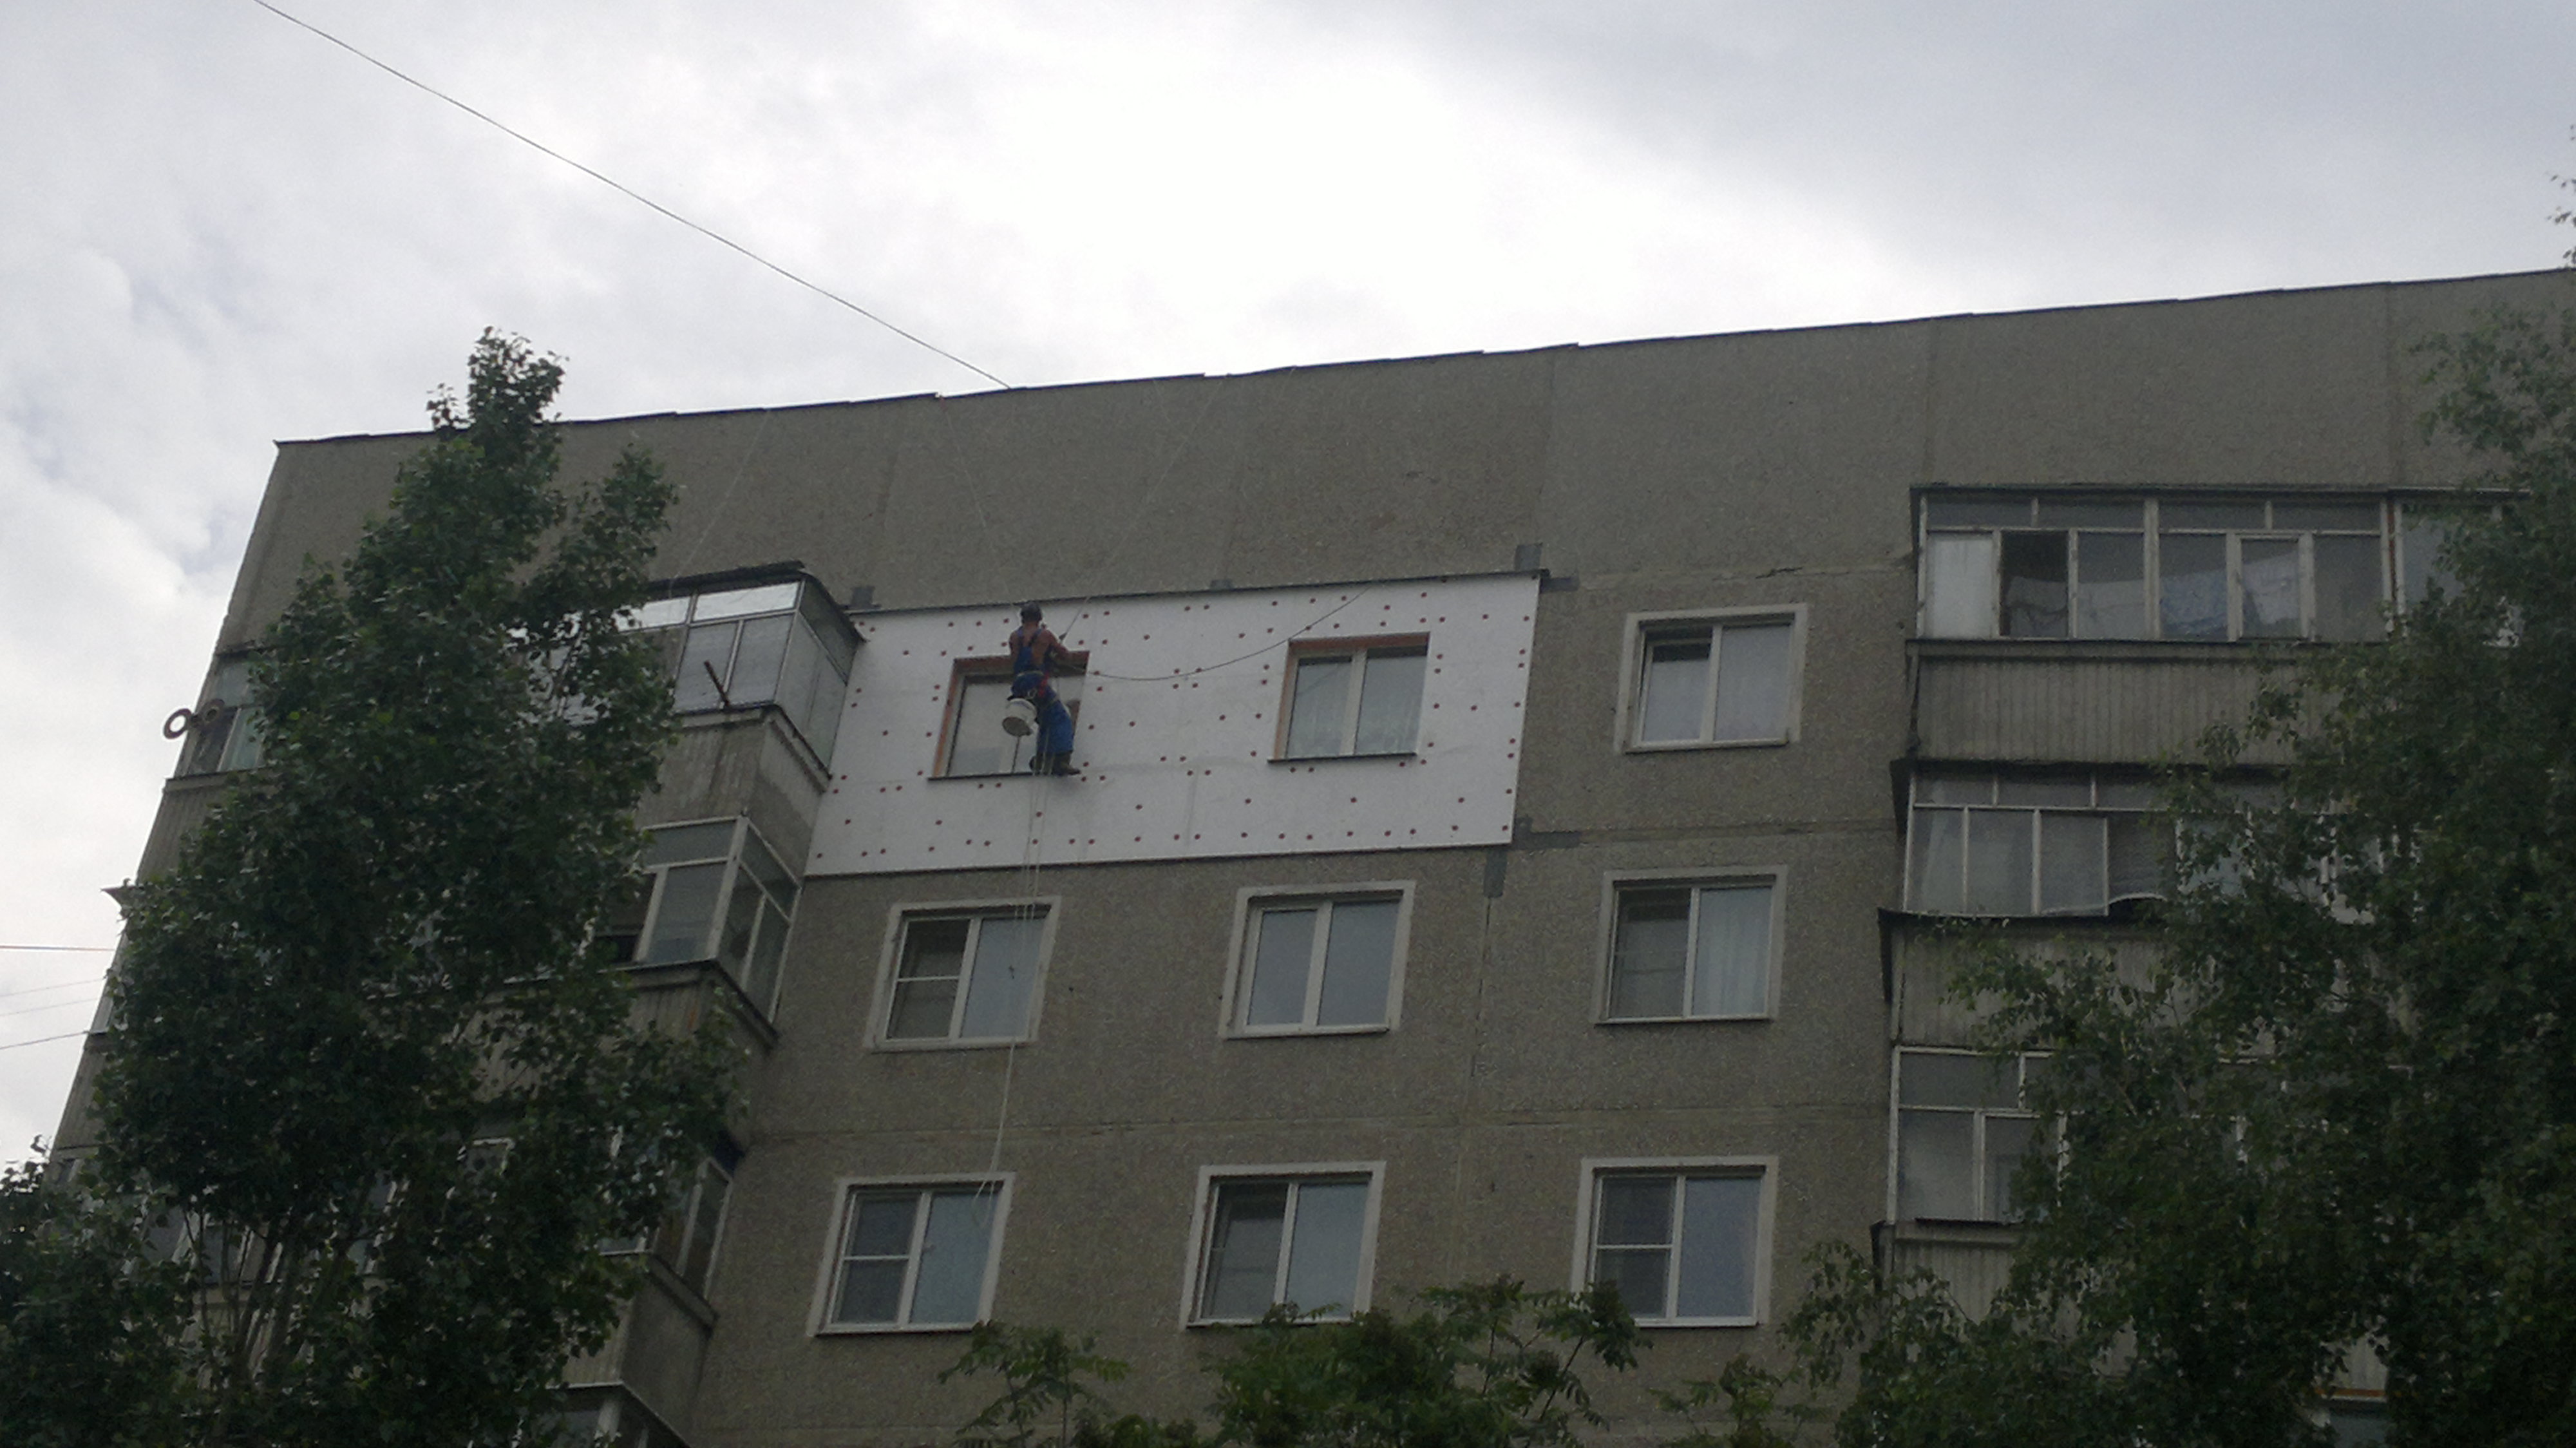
[{"x": 1178, "y": 733}]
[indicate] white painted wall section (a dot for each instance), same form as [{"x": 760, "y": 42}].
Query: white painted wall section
[{"x": 1179, "y": 732}]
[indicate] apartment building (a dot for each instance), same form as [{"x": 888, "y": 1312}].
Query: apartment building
[{"x": 1518, "y": 794}]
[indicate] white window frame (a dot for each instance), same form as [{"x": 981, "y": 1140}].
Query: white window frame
[
  {"x": 1606, "y": 948},
  {"x": 1253, "y": 899},
  {"x": 736, "y": 864},
  {"x": 1587, "y": 1196},
  {"x": 1643, "y": 628},
  {"x": 845, "y": 1192},
  {"x": 1896, "y": 1109},
  {"x": 1357, "y": 651},
  {"x": 900, "y": 916},
  {"x": 1202, "y": 1219}
]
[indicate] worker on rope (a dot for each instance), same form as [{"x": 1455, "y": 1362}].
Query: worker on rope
[{"x": 1036, "y": 653}]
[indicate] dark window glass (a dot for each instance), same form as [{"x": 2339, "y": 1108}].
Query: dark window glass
[{"x": 2034, "y": 585}]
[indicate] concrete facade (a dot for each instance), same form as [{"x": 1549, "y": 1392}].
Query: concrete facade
[{"x": 1538, "y": 526}]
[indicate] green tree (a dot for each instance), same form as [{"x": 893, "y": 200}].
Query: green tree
[
  {"x": 1483, "y": 1365},
  {"x": 373, "y": 1079},
  {"x": 1486, "y": 1365},
  {"x": 89, "y": 1326},
  {"x": 2340, "y": 1105}
]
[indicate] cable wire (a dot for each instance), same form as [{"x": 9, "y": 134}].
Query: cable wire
[
  {"x": 80, "y": 982},
  {"x": 1293, "y": 636},
  {"x": 631, "y": 193},
  {"x": 40, "y": 1040}
]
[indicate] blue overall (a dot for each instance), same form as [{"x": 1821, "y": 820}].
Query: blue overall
[{"x": 1029, "y": 681}]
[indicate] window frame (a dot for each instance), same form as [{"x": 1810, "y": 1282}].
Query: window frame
[
  {"x": 1763, "y": 1167},
  {"x": 1642, "y": 630},
  {"x": 899, "y": 918},
  {"x": 1302, "y": 651},
  {"x": 845, "y": 1193},
  {"x": 667, "y": 1241},
  {"x": 2152, "y": 531},
  {"x": 810, "y": 695},
  {"x": 2150, "y": 816},
  {"x": 966, "y": 671},
  {"x": 2042, "y": 1131},
  {"x": 736, "y": 869},
  {"x": 1606, "y": 948},
  {"x": 224, "y": 734},
  {"x": 1252, "y": 900},
  {"x": 1202, "y": 1221}
]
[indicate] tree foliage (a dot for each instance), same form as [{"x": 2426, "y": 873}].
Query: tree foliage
[
  {"x": 89, "y": 1329},
  {"x": 1485, "y": 1365},
  {"x": 2339, "y": 1107},
  {"x": 371, "y": 1081}
]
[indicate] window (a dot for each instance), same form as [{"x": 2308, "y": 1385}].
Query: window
[
  {"x": 2201, "y": 567},
  {"x": 1681, "y": 950},
  {"x": 686, "y": 1238},
  {"x": 1309, "y": 963},
  {"x": 915, "y": 1256},
  {"x": 1961, "y": 1132},
  {"x": 1705, "y": 680},
  {"x": 965, "y": 975},
  {"x": 224, "y": 733},
  {"x": 973, "y": 739},
  {"x": 1354, "y": 699},
  {"x": 1982, "y": 844},
  {"x": 1269, "y": 1238},
  {"x": 781, "y": 642},
  {"x": 711, "y": 891},
  {"x": 2423, "y": 531},
  {"x": 1684, "y": 1242}
]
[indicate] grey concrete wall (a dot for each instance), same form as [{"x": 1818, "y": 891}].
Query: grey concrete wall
[
  {"x": 1482, "y": 1102},
  {"x": 1711, "y": 456}
]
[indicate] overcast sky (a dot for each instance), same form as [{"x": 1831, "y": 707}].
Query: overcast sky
[{"x": 217, "y": 229}]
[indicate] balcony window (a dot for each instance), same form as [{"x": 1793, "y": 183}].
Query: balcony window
[
  {"x": 1983, "y": 844},
  {"x": 712, "y": 891},
  {"x": 224, "y": 733},
  {"x": 1962, "y": 1129},
  {"x": 781, "y": 643},
  {"x": 2196, "y": 568}
]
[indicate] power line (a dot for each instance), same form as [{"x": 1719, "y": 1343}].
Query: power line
[
  {"x": 620, "y": 187},
  {"x": 76, "y": 982},
  {"x": 40, "y": 1040},
  {"x": 76, "y": 1003},
  {"x": 92, "y": 949}
]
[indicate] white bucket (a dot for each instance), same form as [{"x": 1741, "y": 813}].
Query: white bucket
[{"x": 1019, "y": 718}]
